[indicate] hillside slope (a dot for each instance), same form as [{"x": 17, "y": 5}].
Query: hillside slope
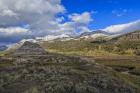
[
  {"x": 127, "y": 44},
  {"x": 54, "y": 73}
]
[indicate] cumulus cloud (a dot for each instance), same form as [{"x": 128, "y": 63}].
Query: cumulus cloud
[
  {"x": 8, "y": 13},
  {"x": 13, "y": 34},
  {"x": 37, "y": 15},
  {"x": 32, "y": 12},
  {"x": 13, "y": 31},
  {"x": 78, "y": 24},
  {"x": 123, "y": 28},
  {"x": 81, "y": 18},
  {"x": 23, "y": 18}
]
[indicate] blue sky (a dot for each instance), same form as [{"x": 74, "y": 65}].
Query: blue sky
[
  {"x": 30, "y": 19},
  {"x": 106, "y": 12}
]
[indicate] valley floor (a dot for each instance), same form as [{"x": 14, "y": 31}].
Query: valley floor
[
  {"x": 57, "y": 71},
  {"x": 127, "y": 65}
]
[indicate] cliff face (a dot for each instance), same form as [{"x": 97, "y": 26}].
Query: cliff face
[{"x": 29, "y": 48}]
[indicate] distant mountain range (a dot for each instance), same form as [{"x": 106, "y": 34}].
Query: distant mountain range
[
  {"x": 95, "y": 32},
  {"x": 126, "y": 44},
  {"x": 64, "y": 37},
  {"x": 2, "y": 48},
  {"x": 53, "y": 37}
]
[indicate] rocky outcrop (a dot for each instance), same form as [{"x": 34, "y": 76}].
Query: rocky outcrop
[
  {"x": 29, "y": 48},
  {"x": 135, "y": 35},
  {"x": 132, "y": 36}
]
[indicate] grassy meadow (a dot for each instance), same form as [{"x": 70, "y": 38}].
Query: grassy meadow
[{"x": 121, "y": 55}]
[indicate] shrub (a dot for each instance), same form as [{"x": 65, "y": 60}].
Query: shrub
[{"x": 137, "y": 52}]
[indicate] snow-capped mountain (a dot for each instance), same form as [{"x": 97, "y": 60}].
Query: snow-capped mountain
[
  {"x": 17, "y": 45},
  {"x": 3, "y": 47},
  {"x": 54, "y": 37},
  {"x": 95, "y": 34},
  {"x": 62, "y": 37}
]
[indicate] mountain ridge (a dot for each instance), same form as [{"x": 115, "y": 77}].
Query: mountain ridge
[
  {"x": 87, "y": 35},
  {"x": 3, "y": 47}
]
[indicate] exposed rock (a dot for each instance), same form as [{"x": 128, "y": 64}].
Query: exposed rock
[
  {"x": 29, "y": 48},
  {"x": 130, "y": 36},
  {"x": 135, "y": 35}
]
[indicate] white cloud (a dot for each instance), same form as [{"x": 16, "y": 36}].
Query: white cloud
[
  {"x": 32, "y": 6},
  {"x": 84, "y": 29},
  {"x": 78, "y": 24},
  {"x": 123, "y": 28},
  {"x": 73, "y": 28},
  {"x": 8, "y": 13},
  {"x": 33, "y": 12},
  {"x": 13, "y": 31},
  {"x": 39, "y": 17},
  {"x": 60, "y": 19},
  {"x": 13, "y": 34},
  {"x": 81, "y": 18}
]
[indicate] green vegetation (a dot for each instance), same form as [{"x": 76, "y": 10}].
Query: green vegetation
[
  {"x": 53, "y": 73},
  {"x": 121, "y": 54},
  {"x": 78, "y": 47},
  {"x": 123, "y": 45},
  {"x": 2, "y": 53},
  {"x": 128, "y": 66},
  {"x": 116, "y": 68}
]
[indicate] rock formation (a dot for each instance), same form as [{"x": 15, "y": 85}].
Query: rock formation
[
  {"x": 29, "y": 48},
  {"x": 132, "y": 36}
]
